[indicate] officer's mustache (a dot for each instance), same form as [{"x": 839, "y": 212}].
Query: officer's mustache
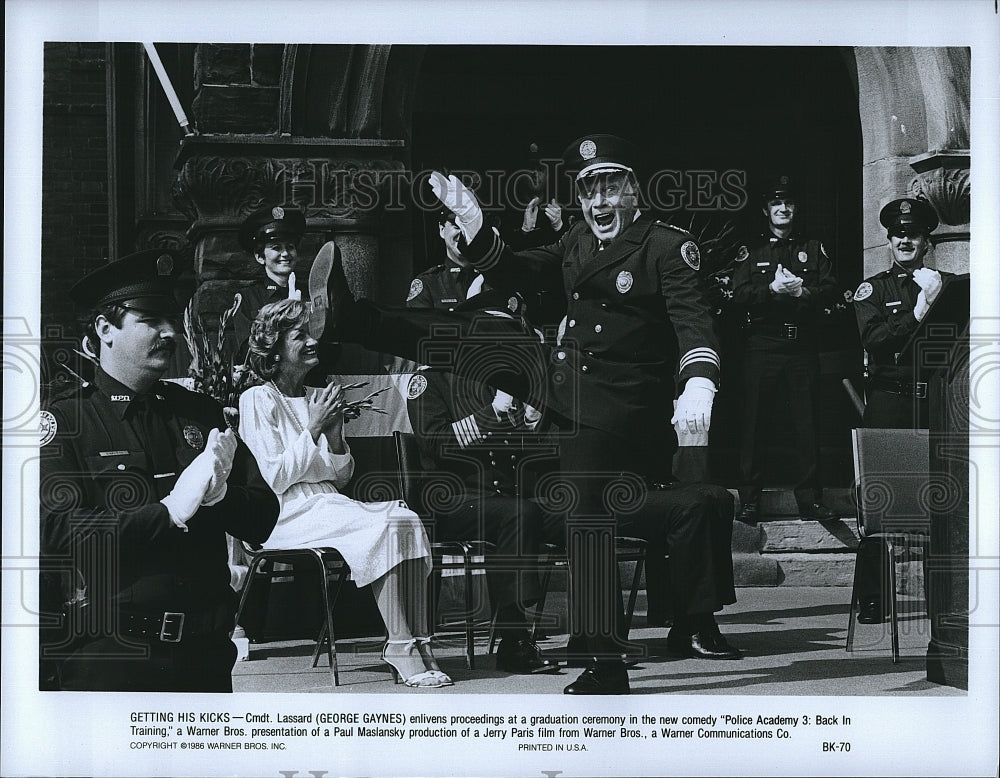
[{"x": 169, "y": 346}]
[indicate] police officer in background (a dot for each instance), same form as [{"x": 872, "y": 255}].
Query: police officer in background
[
  {"x": 140, "y": 482},
  {"x": 271, "y": 235},
  {"x": 781, "y": 280},
  {"x": 448, "y": 285},
  {"x": 890, "y": 306}
]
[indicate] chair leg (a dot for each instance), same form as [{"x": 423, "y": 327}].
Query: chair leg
[
  {"x": 543, "y": 586},
  {"x": 331, "y": 651},
  {"x": 493, "y": 630},
  {"x": 470, "y": 639},
  {"x": 633, "y": 595},
  {"x": 854, "y": 596},
  {"x": 893, "y": 611}
]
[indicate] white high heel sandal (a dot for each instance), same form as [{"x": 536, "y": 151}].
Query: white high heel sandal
[
  {"x": 428, "y": 679},
  {"x": 426, "y": 641}
]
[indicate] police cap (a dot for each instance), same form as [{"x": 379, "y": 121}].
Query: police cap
[
  {"x": 270, "y": 222},
  {"x": 143, "y": 281},
  {"x": 594, "y": 154},
  {"x": 778, "y": 187},
  {"x": 908, "y": 216}
]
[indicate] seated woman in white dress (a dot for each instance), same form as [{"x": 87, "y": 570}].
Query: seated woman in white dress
[{"x": 297, "y": 436}]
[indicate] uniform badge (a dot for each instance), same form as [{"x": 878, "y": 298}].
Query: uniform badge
[
  {"x": 416, "y": 387},
  {"x": 863, "y": 292},
  {"x": 164, "y": 265},
  {"x": 904, "y": 207},
  {"x": 624, "y": 281},
  {"x": 278, "y": 212},
  {"x": 512, "y": 305},
  {"x": 193, "y": 437},
  {"x": 848, "y": 296},
  {"x": 47, "y": 427},
  {"x": 742, "y": 254},
  {"x": 691, "y": 254},
  {"x": 803, "y": 257},
  {"x": 416, "y": 287},
  {"x": 588, "y": 149}
]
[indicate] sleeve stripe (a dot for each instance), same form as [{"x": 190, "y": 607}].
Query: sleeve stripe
[
  {"x": 703, "y": 354},
  {"x": 466, "y": 431},
  {"x": 492, "y": 255}
]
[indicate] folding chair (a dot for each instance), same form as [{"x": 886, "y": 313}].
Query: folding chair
[{"x": 894, "y": 491}]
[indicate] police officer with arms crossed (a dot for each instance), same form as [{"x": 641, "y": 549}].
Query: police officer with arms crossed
[
  {"x": 889, "y": 307},
  {"x": 781, "y": 280},
  {"x": 634, "y": 304},
  {"x": 140, "y": 483}
]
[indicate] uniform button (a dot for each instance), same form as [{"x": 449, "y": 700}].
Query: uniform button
[
  {"x": 513, "y": 457},
  {"x": 585, "y": 369},
  {"x": 561, "y": 355},
  {"x": 572, "y": 322},
  {"x": 576, "y": 295},
  {"x": 451, "y": 310},
  {"x": 496, "y": 483},
  {"x": 493, "y": 462},
  {"x": 604, "y": 305},
  {"x": 491, "y": 454},
  {"x": 121, "y": 467},
  {"x": 590, "y": 353},
  {"x": 598, "y": 328},
  {"x": 506, "y": 442},
  {"x": 489, "y": 434}
]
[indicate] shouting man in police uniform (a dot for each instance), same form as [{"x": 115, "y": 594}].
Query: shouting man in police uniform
[
  {"x": 890, "y": 306},
  {"x": 637, "y": 321},
  {"x": 140, "y": 482},
  {"x": 781, "y": 281}
]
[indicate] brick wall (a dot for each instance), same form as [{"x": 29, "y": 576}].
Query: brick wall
[{"x": 74, "y": 174}]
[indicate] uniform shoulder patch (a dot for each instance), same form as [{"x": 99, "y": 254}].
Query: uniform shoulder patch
[
  {"x": 691, "y": 254},
  {"x": 47, "y": 427},
  {"x": 863, "y": 292},
  {"x": 742, "y": 254},
  {"x": 416, "y": 387},
  {"x": 416, "y": 287}
]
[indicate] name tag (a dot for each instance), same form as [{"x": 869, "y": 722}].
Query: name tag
[
  {"x": 763, "y": 264},
  {"x": 111, "y": 453},
  {"x": 449, "y": 299},
  {"x": 897, "y": 302}
]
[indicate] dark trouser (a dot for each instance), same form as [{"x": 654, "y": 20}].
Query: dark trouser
[
  {"x": 200, "y": 664},
  {"x": 692, "y": 523},
  {"x": 764, "y": 371},
  {"x": 517, "y": 528},
  {"x": 886, "y": 410}
]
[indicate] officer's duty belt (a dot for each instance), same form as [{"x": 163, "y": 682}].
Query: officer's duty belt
[
  {"x": 903, "y": 389},
  {"x": 175, "y": 626},
  {"x": 785, "y": 331}
]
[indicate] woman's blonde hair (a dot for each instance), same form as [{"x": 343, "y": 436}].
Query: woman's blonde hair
[{"x": 266, "y": 331}]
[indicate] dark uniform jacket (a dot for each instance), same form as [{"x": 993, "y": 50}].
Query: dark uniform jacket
[
  {"x": 884, "y": 308},
  {"x": 781, "y": 321},
  {"x": 636, "y": 316},
  {"x": 254, "y": 298},
  {"x": 458, "y": 430},
  {"x": 101, "y": 477},
  {"x": 443, "y": 287}
]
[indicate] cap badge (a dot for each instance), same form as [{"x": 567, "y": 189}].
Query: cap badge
[
  {"x": 803, "y": 257},
  {"x": 863, "y": 292},
  {"x": 277, "y": 212},
  {"x": 783, "y": 180},
  {"x": 512, "y": 305},
  {"x": 624, "y": 281},
  {"x": 742, "y": 254},
  {"x": 588, "y": 149},
  {"x": 416, "y": 287},
  {"x": 416, "y": 386},
  {"x": 164, "y": 265},
  {"x": 691, "y": 255},
  {"x": 904, "y": 207},
  {"x": 47, "y": 427},
  {"x": 193, "y": 437}
]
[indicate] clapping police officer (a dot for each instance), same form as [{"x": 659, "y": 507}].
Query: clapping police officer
[
  {"x": 140, "y": 482},
  {"x": 781, "y": 281}
]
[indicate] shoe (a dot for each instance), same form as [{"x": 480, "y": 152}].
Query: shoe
[
  {"x": 576, "y": 654},
  {"x": 601, "y": 678},
  {"x": 817, "y": 511},
  {"x": 704, "y": 644},
  {"x": 430, "y": 661},
  {"x": 329, "y": 293},
  {"x": 428, "y": 679},
  {"x": 522, "y": 656},
  {"x": 748, "y": 515},
  {"x": 870, "y": 612}
]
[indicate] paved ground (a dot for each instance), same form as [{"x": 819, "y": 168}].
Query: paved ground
[{"x": 793, "y": 637}]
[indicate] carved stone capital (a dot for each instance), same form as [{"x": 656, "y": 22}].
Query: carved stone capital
[
  {"x": 209, "y": 187},
  {"x": 943, "y": 180}
]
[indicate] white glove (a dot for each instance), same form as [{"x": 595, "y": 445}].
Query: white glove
[
  {"x": 293, "y": 293},
  {"x": 223, "y": 448},
  {"x": 929, "y": 281},
  {"x": 206, "y": 473},
  {"x": 531, "y": 215},
  {"x": 503, "y": 403},
  {"x": 921, "y": 306},
  {"x": 693, "y": 412},
  {"x": 459, "y": 199},
  {"x": 553, "y": 212},
  {"x": 786, "y": 282}
]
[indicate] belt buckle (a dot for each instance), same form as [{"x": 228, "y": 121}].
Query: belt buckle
[
  {"x": 920, "y": 390},
  {"x": 791, "y": 332},
  {"x": 172, "y": 627}
]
